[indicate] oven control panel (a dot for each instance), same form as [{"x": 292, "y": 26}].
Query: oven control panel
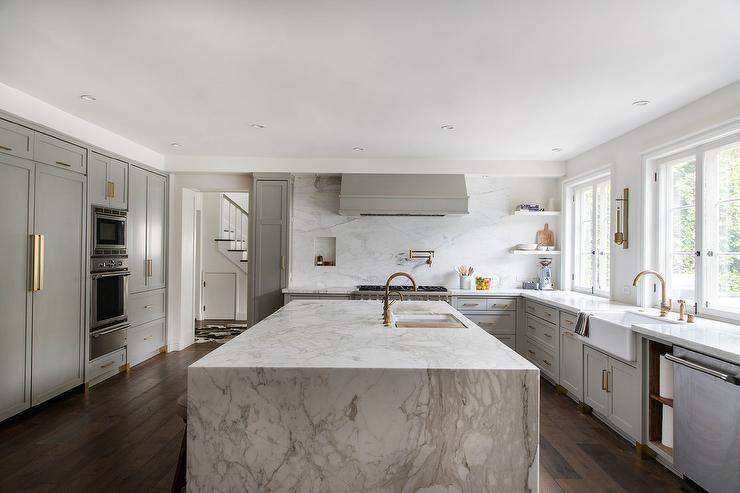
[{"x": 108, "y": 264}]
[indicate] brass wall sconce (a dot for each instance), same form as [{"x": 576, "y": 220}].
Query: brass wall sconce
[{"x": 621, "y": 235}]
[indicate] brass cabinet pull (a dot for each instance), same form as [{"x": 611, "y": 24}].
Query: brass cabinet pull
[
  {"x": 6, "y": 148},
  {"x": 149, "y": 267},
  {"x": 530, "y": 352},
  {"x": 107, "y": 364},
  {"x": 603, "y": 380},
  {"x": 607, "y": 380},
  {"x": 146, "y": 307},
  {"x": 35, "y": 263},
  {"x": 60, "y": 163},
  {"x": 546, "y": 362},
  {"x": 282, "y": 262},
  {"x": 110, "y": 189},
  {"x": 147, "y": 338},
  {"x": 41, "y": 262},
  {"x": 530, "y": 327},
  {"x": 548, "y": 335}
]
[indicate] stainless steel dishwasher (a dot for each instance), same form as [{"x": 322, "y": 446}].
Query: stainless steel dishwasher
[{"x": 707, "y": 420}]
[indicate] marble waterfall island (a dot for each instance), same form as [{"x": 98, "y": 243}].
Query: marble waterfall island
[{"x": 321, "y": 397}]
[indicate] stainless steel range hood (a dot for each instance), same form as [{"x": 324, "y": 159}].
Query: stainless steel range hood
[{"x": 403, "y": 195}]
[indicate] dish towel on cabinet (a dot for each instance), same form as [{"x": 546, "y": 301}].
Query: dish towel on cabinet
[{"x": 582, "y": 324}]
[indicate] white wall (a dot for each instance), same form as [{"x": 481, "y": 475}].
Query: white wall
[
  {"x": 25, "y": 106},
  {"x": 213, "y": 259},
  {"x": 624, "y": 153},
  {"x": 178, "y": 293},
  {"x": 371, "y": 248}
]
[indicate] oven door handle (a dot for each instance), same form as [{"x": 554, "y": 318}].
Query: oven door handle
[
  {"x": 111, "y": 274},
  {"x": 103, "y": 332}
]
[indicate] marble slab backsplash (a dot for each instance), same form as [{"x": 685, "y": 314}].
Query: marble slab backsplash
[{"x": 369, "y": 249}]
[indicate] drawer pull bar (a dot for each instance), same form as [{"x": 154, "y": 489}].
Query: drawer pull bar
[
  {"x": 548, "y": 335},
  {"x": 546, "y": 362},
  {"x": 146, "y": 307},
  {"x": 60, "y": 163},
  {"x": 147, "y": 338},
  {"x": 530, "y": 352},
  {"x": 6, "y": 148},
  {"x": 110, "y": 363}
]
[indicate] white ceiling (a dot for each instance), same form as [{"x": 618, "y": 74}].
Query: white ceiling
[{"x": 516, "y": 78}]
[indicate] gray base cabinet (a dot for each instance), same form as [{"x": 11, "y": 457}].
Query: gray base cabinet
[
  {"x": 571, "y": 363},
  {"x": 612, "y": 389},
  {"x": 495, "y": 315},
  {"x": 145, "y": 341},
  {"x": 42, "y": 284}
]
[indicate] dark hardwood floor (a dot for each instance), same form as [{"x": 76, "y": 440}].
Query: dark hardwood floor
[{"x": 126, "y": 437}]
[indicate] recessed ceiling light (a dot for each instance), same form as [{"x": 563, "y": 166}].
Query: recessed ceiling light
[
  {"x": 176, "y": 145},
  {"x": 447, "y": 126},
  {"x": 358, "y": 148},
  {"x": 257, "y": 125},
  {"x": 88, "y": 97},
  {"x": 557, "y": 149},
  {"x": 641, "y": 102}
]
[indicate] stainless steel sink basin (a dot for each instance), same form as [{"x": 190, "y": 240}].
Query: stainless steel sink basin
[
  {"x": 612, "y": 331},
  {"x": 427, "y": 321}
]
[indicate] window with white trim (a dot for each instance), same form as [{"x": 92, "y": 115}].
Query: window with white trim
[
  {"x": 590, "y": 237},
  {"x": 699, "y": 218}
]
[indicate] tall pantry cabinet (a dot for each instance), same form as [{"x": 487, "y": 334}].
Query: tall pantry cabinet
[
  {"x": 147, "y": 226},
  {"x": 42, "y": 268}
]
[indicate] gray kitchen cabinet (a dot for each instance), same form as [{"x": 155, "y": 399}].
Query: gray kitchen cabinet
[
  {"x": 314, "y": 296},
  {"x": 107, "y": 181},
  {"x": 16, "y": 202},
  {"x": 571, "y": 363},
  {"x": 59, "y": 153},
  {"x": 269, "y": 250},
  {"x": 595, "y": 366},
  {"x": 145, "y": 341},
  {"x": 16, "y": 140},
  {"x": 495, "y": 315},
  {"x": 57, "y": 360},
  {"x": 147, "y": 204},
  {"x": 612, "y": 388}
]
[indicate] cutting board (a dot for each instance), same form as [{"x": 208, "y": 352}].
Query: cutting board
[{"x": 545, "y": 236}]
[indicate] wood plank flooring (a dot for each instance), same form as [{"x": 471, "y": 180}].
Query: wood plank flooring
[{"x": 126, "y": 437}]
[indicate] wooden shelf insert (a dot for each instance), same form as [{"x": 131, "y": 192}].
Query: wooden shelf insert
[
  {"x": 663, "y": 400},
  {"x": 663, "y": 448}
]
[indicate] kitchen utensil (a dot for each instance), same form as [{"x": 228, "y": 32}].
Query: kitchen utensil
[
  {"x": 546, "y": 236},
  {"x": 466, "y": 282}
]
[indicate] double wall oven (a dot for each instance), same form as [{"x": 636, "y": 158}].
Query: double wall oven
[{"x": 109, "y": 274}]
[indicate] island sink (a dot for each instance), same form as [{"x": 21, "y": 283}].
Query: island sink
[
  {"x": 612, "y": 331},
  {"x": 427, "y": 321}
]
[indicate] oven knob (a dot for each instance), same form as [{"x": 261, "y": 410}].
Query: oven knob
[
  {"x": 101, "y": 264},
  {"x": 119, "y": 263}
]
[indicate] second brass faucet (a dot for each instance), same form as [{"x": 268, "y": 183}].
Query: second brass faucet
[
  {"x": 665, "y": 306},
  {"x": 386, "y": 297}
]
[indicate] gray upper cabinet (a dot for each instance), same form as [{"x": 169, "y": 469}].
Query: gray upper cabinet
[
  {"x": 107, "y": 181},
  {"x": 16, "y": 202},
  {"x": 147, "y": 222},
  {"x": 58, "y": 303},
  {"x": 56, "y": 152},
  {"x": 270, "y": 246},
  {"x": 16, "y": 140}
]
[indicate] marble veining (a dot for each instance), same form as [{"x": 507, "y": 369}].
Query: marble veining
[
  {"x": 368, "y": 249},
  {"x": 706, "y": 336},
  {"x": 340, "y": 403}
]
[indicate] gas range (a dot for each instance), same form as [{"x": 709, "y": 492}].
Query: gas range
[{"x": 422, "y": 293}]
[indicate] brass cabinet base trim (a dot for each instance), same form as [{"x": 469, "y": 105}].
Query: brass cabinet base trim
[
  {"x": 163, "y": 349},
  {"x": 561, "y": 390},
  {"x": 86, "y": 390},
  {"x": 584, "y": 408},
  {"x": 124, "y": 368},
  {"x": 644, "y": 452}
]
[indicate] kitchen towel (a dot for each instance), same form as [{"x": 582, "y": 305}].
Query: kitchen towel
[
  {"x": 667, "y": 431},
  {"x": 582, "y": 324},
  {"x": 666, "y": 378}
]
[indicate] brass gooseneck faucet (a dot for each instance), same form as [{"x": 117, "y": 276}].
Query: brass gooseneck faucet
[
  {"x": 665, "y": 306},
  {"x": 386, "y": 297}
]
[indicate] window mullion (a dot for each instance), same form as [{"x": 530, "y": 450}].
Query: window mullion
[
  {"x": 704, "y": 226},
  {"x": 594, "y": 244}
]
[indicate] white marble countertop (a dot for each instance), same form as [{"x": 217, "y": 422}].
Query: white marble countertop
[
  {"x": 350, "y": 334},
  {"x": 705, "y": 336},
  {"x": 565, "y": 300}
]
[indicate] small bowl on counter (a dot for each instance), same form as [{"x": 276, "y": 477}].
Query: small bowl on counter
[{"x": 526, "y": 246}]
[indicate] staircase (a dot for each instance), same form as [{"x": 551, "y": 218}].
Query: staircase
[{"x": 234, "y": 229}]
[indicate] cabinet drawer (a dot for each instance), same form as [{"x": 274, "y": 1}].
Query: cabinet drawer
[
  {"x": 542, "y": 311},
  {"x": 543, "y": 333},
  {"x": 144, "y": 341},
  {"x": 542, "y": 358},
  {"x": 106, "y": 364},
  {"x": 471, "y": 304},
  {"x": 16, "y": 140},
  {"x": 568, "y": 320},
  {"x": 145, "y": 307},
  {"x": 508, "y": 339},
  {"x": 501, "y": 304},
  {"x": 50, "y": 150},
  {"x": 496, "y": 323}
]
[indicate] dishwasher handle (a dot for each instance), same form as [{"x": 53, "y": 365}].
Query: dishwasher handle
[{"x": 733, "y": 379}]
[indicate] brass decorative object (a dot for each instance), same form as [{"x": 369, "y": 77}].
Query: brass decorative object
[{"x": 621, "y": 235}]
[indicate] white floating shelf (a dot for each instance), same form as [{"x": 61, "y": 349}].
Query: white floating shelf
[
  {"x": 540, "y": 253},
  {"x": 536, "y": 213}
]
